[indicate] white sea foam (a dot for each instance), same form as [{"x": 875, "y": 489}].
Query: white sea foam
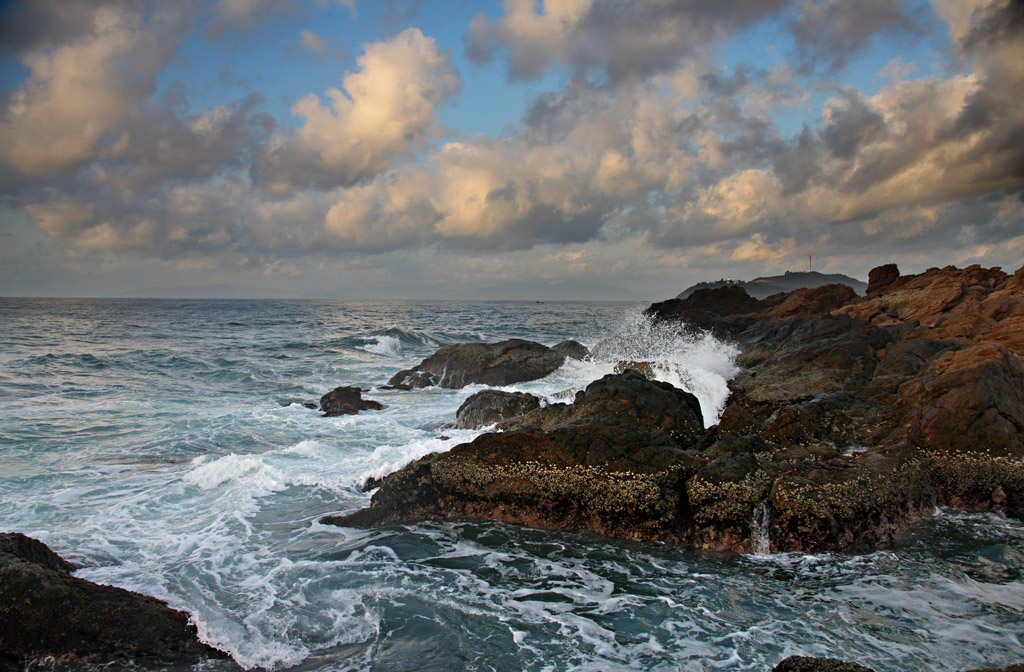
[{"x": 208, "y": 474}]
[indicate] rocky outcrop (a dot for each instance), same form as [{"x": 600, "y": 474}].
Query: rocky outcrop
[
  {"x": 346, "y": 401},
  {"x": 496, "y": 364},
  {"x": 488, "y": 407},
  {"x": 45, "y": 612},
  {"x": 808, "y": 664},
  {"x": 610, "y": 462},
  {"x": 852, "y": 418}
]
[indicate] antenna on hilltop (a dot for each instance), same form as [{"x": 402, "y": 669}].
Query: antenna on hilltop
[{"x": 808, "y": 263}]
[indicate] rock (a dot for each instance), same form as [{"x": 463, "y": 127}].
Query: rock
[
  {"x": 643, "y": 368},
  {"x": 973, "y": 304},
  {"x": 410, "y": 379},
  {"x": 818, "y": 301},
  {"x": 346, "y": 401},
  {"x": 488, "y": 407},
  {"x": 572, "y": 350},
  {"x": 45, "y": 612},
  {"x": 966, "y": 400},
  {"x": 881, "y": 278},
  {"x": 496, "y": 364},
  {"x": 723, "y": 310},
  {"x": 806, "y": 664},
  {"x": 852, "y": 418},
  {"x": 612, "y": 462}
]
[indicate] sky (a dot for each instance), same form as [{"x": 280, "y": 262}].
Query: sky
[{"x": 523, "y": 149}]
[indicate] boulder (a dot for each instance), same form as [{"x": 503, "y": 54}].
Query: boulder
[
  {"x": 881, "y": 278},
  {"x": 45, "y": 612},
  {"x": 346, "y": 401},
  {"x": 572, "y": 350},
  {"x": 488, "y": 407},
  {"x": 495, "y": 364}
]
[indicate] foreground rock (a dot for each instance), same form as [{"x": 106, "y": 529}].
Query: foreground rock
[
  {"x": 609, "y": 462},
  {"x": 853, "y": 417},
  {"x": 346, "y": 401},
  {"x": 806, "y": 664},
  {"x": 46, "y": 612},
  {"x": 496, "y": 364}
]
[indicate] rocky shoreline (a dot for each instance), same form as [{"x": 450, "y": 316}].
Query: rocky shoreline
[
  {"x": 852, "y": 418},
  {"x": 46, "y": 613}
]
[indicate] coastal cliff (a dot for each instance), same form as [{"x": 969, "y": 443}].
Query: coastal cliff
[{"x": 852, "y": 418}]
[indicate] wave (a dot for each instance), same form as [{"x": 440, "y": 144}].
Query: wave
[{"x": 696, "y": 362}]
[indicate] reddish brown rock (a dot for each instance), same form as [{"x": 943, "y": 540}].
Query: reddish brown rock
[{"x": 851, "y": 419}]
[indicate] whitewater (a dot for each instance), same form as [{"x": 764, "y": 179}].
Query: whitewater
[{"x": 163, "y": 447}]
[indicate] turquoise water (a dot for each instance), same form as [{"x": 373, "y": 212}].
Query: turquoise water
[{"x": 162, "y": 446}]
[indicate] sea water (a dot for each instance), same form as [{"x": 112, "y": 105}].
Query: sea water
[{"x": 163, "y": 447}]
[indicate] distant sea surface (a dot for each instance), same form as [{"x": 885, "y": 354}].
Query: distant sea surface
[{"x": 162, "y": 445}]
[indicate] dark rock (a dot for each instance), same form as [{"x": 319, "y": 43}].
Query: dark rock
[
  {"x": 806, "y": 664},
  {"x": 724, "y": 310},
  {"x": 1018, "y": 667},
  {"x": 488, "y": 407},
  {"x": 572, "y": 349},
  {"x": 312, "y": 405},
  {"x": 612, "y": 462},
  {"x": 46, "y": 612},
  {"x": 881, "y": 278},
  {"x": 643, "y": 368},
  {"x": 346, "y": 401},
  {"x": 410, "y": 379},
  {"x": 497, "y": 364}
]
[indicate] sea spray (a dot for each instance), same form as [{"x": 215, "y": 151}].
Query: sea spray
[
  {"x": 760, "y": 529},
  {"x": 696, "y": 362}
]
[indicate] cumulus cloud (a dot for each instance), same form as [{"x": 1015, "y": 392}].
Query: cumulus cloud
[
  {"x": 650, "y": 155},
  {"x": 384, "y": 111},
  {"x": 80, "y": 91}
]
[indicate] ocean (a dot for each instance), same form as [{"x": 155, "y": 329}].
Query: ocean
[{"x": 163, "y": 447}]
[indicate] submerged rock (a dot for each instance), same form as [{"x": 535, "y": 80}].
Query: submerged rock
[
  {"x": 346, "y": 401},
  {"x": 496, "y": 364},
  {"x": 45, "y": 612},
  {"x": 488, "y": 407},
  {"x": 851, "y": 419}
]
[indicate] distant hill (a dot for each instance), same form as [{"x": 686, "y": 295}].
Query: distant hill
[{"x": 760, "y": 288}]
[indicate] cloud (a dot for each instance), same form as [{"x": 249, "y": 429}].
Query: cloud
[
  {"x": 385, "y": 111},
  {"x": 615, "y": 39},
  {"x": 829, "y": 33},
  {"x": 241, "y": 15},
  {"x": 78, "y": 93}
]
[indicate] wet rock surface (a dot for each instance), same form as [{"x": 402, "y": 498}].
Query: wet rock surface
[
  {"x": 346, "y": 401},
  {"x": 45, "y": 612},
  {"x": 851, "y": 419},
  {"x": 497, "y": 364},
  {"x": 488, "y": 407}
]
